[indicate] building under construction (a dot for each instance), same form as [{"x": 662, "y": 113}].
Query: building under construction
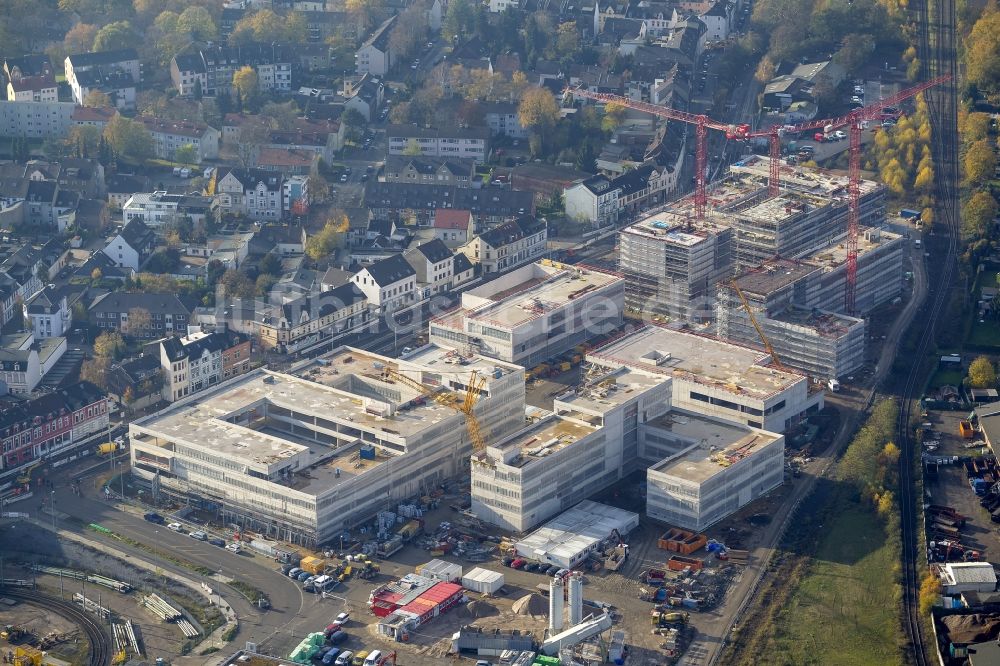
[
  {"x": 798, "y": 303},
  {"x": 672, "y": 261}
]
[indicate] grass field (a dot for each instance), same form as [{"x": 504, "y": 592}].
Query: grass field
[
  {"x": 987, "y": 333},
  {"x": 943, "y": 377},
  {"x": 845, "y": 608}
]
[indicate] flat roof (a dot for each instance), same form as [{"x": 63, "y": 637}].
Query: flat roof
[
  {"x": 823, "y": 323},
  {"x": 543, "y": 438},
  {"x": 698, "y": 358},
  {"x": 531, "y": 291},
  {"x": 577, "y": 529},
  {"x": 717, "y": 445},
  {"x": 814, "y": 180},
  {"x": 834, "y": 255},
  {"x": 677, "y": 227},
  {"x": 605, "y": 392}
]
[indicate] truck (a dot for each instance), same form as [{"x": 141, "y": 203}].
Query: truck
[
  {"x": 411, "y": 530},
  {"x": 661, "y": 618},
  {"x": 389, "y": 547},
  {"x": 107, "y": 447}
]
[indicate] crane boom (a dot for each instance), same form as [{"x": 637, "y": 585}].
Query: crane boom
[
  {"x": 466, "y": 406},
  {"x": 760, "y": 331}
]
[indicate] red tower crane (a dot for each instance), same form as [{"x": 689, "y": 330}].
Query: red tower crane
[{"x": 854, "y": 120}]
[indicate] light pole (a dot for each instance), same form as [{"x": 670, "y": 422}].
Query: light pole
[{"x": 52, "y": 508}]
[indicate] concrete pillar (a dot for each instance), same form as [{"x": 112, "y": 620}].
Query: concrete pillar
[
  {"x": 556, "y": 604},
  {"x": 575, "y": 599}
]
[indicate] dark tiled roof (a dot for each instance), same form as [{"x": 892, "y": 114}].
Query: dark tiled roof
[
  {"x": 121, "y": 183},
  {"x": 103, "y": 58},
  {"x": 390, "y": 270},
  {"x": 380, "y": 38},
  {"x": 46, "y": 301},
  {"x": 137, "y": 234},
  {"x": 323, "y": 304},
  {"x": 435, "y": 251},
  {"x": 152, "y": 303},
  {"x": 511, "y": 232},
  {"x": 453, "y": 132},
  {"x": 133, "y": 372},
  {"x": 216, "y": 341},
  {"x": 489, "y": 200},
  {"x": 190, "y": 62},
  {"x": 462, "y": 263}
]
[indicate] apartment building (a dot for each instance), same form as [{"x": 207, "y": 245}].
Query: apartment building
[
  {"x": 453, "y": 142},
  {"x": 420, "y": 204},
  {"x": 601, "y": 200},
  {"x": 388, "y": 284},
  {"x": 312, "y": 319},
  {"x": 36, "y": 120},
  {"x": 212, "y": 68},
  {"x": 509, "y": 245},
  {"x": 50, "y": 424},
  {"x": 115, "y": 73},
  {"x": 251, "y": 192},
  {"x": 199, "y": 361},
  {"x": 434, "y": 265},
  {"x": 132, "y": 246},
  {"x": 533, "y": 313},
  {"x": 167, "y": 315},
  {"x": 375, "y": 56},
  {"x": 429, "y": 170},
  {"x": 301, "y": 458},
  {"x": 155, "y": 209},
  {"x": 169, "y": 136},
  {"x": 48, "y": 312}
]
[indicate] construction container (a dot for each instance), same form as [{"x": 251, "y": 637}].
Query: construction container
[
  {"x": 965, "y": 429},
  {"x": 313, "y": 565},
  {"x": 483, "y": 581},
  {"x": 411, "y": 529},
  {"x": 367, "y": 452},
  {"x": 441, "y": 570},
  {"x": 680, "y": 563},
  {"x": 682, "y": 541}
]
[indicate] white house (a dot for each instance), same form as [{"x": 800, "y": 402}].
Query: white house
[
  {"x": 508, "y": 245},
  {"x": 171, "y": 135},
  {"x": 389, "y": 284},
  {"x": 375, "y": 55},
  {"x": 434, "y": 265},
  {"x": 132, "y": 245},
  {"x": 48, "y": 313},
  {"x": 601, "y": 200},
  {"x": 113, "y": 72},
  {"x": 157, "y": 208},
  {"x": 251, "y": 192}
]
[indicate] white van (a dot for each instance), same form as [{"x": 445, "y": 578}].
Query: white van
[
  {"x": 373, "y": 658},
  {"x": 344, "y": 659}
]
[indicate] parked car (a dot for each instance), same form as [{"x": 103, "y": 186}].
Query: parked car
[
  {"x": 840, "y": 135},
  {"x": 359, "y": 658},
  {"x": 285, "y": 568},
  {"x": 234, "y": 547},
  {"x": 552, "y": 571},
  {"x": 344, "y": 659},
  {"x": 518, "y": 563},
  {"x": 215, "y": 541},
  {"x": 199, "y": 535},
  {"x": 303, "y": 576},
  {"x": 342, "y": 618},
  {"x": 338, "y": 637},
  {"x": 176, "y": 527},
  {"x": 154, "y": 518},
  {"x": 294, "y": 572}
]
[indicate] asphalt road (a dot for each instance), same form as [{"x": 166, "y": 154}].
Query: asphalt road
[{"x": 287, "y": 599}]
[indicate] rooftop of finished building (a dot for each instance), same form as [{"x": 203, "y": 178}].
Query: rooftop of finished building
[
  {"x": 715, "y": 445},
  {"x": 678, "y": 227},
  {"x": 543, "y": 438},
  {"x": 697, "y": 358},
  {"x": 528, "y": 292}
]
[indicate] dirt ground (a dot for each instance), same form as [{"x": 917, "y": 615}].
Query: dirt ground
[
  {"x": 431, "y": 643},
  {"x": 69, "y": 644},
  {"x": 156, "y": 636},
  {"x": 951, "y": 487}
]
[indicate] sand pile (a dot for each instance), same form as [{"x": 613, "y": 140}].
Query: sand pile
[{"x": 531, "y": 604}]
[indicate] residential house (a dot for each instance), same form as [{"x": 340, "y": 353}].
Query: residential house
[
  {"x": 502, "y": 248},
  {"x": 365, "y": 96},
  {"x": 251, "y": 192},
  {"x": 462, "y": 271},
  {"x": 167, "y": 314},
  {"x": 469, "y": 143},
  {"x": 20, "y": 364},
  {"x": 93, "y": 116},
  {"x": 323, "y": 137},
  {"x": 287, "y": 160},
  {"x": 375, "y": 56},
  {"x": 157, "y": 208},
  {"x": 115, "y": 73},
  {"x": 194, "y": 362},
  {"x": 502, "y": 119},
  {"x": 719, "y": 20},
  {"x": 136, "y": 383},
  {"x": 32, "y": 64},
  {"x": 52, "y": 423},
  {"x": 213, "y": 67},
  {"x": 286, "y": 240},
  {"x": 132, "y": 246},
  {"x": 85, "y": 176},
  {"x": 33, "y": 89},
  {"x": 453, "y": 226},
  {"x": 48, "y": 312},
  {"x": 401, "y": 202},
  {"x": 601, "y": 200},
  {"x": 121, "y": 186},
  {"x": 313, "y": 319},
  {"x": 102, "y": 266},
  {"x": 171, "y": 135},
  {"x": 229, "y": 249},
  {"x": 434, "y": 265},
  {"x": 295, "y": 195},
  {"x": 389, "y": 284},
  {"x": 429, "y": 170}
]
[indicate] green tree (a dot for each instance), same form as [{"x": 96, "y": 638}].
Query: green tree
[
  {"x": 329, "y": 238},
  {"x": 266, "y": 26},
  {"x": 614, "y": 115},
  {"x": 84, "y": 140},
  {"x": 186, "y": 154},
  {"x": 281, "y": 115},
  {"x": 80, "y": 38},
  {"x": 129, "y": 138},
  {"x": 567, "y": 43},
  {"x": 982, "y": 374},
  {"x": 237, "y": 285},
  {"x": 460, "y": 19},
  {"x": 978, "y": 213},
  {"x": 117, "y": 35},
  {"x": 354, "y": 122},
  {"x": 857, "y": 49},
  {"x": 270, "y": 264},
  {"x": 980, "y": 162}
]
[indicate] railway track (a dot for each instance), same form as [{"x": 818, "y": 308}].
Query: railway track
[
  {"x": 937, "y": 52},
  {"x": 100, "y": 641}
]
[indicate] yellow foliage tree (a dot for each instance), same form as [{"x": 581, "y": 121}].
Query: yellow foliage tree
[
  {"x": 930, "y": 590},
  {"x": 982, "y": 374}
]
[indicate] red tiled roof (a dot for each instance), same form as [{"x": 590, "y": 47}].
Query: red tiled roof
[
  {"x": 93, "y": 114},
  {"x": 450, "y": 218}
]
